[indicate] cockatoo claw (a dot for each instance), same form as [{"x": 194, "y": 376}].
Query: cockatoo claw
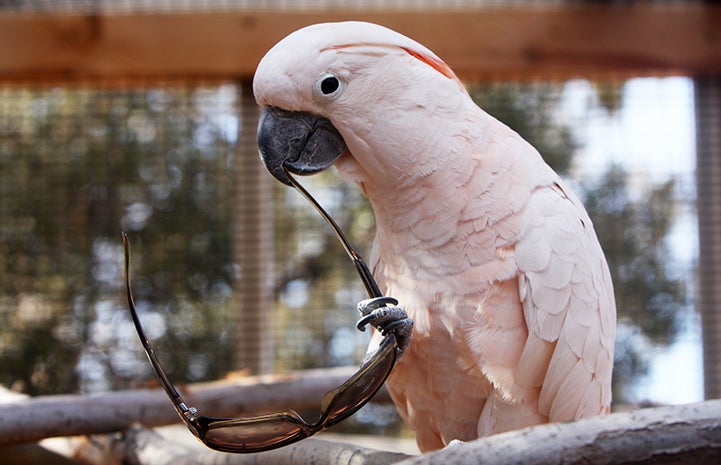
[{"x": 387, "y": 319}]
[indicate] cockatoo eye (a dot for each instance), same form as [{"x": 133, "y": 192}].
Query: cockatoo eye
[{"x": 329, "y": 86}]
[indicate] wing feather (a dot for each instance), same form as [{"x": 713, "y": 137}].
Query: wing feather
[{"x": 568, "y": 303}]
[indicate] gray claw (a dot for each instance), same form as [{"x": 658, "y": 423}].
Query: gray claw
[
  {"x": 365, "y": 307},
  {"x": 387, "y": 319}
]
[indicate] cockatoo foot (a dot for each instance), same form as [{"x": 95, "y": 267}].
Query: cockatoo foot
[
  {"x": 382, "y": 313},
  {"x": 454, "y": 443}
]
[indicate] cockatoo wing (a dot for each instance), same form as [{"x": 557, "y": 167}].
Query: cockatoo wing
[
  {"x": 566, "y": 292},
  {"x": 545, "y": 326}
]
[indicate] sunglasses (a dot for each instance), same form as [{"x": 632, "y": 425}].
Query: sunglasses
[{"x": 266, "y": 432}]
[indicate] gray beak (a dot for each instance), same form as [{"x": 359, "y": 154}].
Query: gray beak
[{"x": 302, "y": 142}]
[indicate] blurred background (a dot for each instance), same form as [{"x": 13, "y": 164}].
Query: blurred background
[{"x": 138, "y": 116}]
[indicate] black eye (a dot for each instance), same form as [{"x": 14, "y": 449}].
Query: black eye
[{"x": 329, "y": 84}]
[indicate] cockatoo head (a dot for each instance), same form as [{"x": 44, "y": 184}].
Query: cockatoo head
[{"x": 355, "y": 89}]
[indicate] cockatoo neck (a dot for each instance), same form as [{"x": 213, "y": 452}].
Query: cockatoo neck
[
  {"x": 398, "y": 145},
  {"x": 396, "y": 160}
]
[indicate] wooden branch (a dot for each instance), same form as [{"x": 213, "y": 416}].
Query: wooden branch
[
  {"x": 557, "y": 41},
  {"x": 41, "y": 417},
  {"x": 680, "y": 434}
]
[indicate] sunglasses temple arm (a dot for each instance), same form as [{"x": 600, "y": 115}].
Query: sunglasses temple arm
[
  {"x": 366, "y": 276},
  {"x": 360, "y": 265},
  {"x": 177, "y": 399}
]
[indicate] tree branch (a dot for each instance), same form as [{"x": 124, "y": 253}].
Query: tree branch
[
  {"x": 36, "y": 418},
  {"x": 679, "y": 434},
  {"x": 683, "y": 434}
]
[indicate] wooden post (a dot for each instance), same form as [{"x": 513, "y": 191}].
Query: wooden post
[
  {"x": 708, "y": 180},
  {"x": 252, "y": 245}
]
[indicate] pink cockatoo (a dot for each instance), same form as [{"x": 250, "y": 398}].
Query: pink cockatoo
[{"x": 481, "y": 242}]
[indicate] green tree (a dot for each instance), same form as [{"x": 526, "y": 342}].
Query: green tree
[
  {"x": 650, "y": 300},
  {"x": 78, "y": 166}
]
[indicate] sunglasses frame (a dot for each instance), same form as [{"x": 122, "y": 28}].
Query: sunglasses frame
[{"x": 205, "y": 428}]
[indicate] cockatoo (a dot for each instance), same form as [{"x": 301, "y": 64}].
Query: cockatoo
[{"x": 481, "y": 242}]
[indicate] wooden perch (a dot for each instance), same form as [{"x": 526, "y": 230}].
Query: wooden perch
[
  {"x": 33, "y": 419},
  {"x": 679, "y": 434},
  {"x": 683, "y": 434}
]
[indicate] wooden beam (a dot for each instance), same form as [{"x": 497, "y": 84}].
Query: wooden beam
[
  {"x": 556, "y": 42},
  {"x": 708, "y": 185}
]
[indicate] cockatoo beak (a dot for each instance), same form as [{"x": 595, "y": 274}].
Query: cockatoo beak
[{"x": 302, "y": 142}]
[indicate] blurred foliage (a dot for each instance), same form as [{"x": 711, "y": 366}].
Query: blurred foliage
[
  {"x": 610, "y": 95},
  {"x": 317, "y": 284},
  {"x": 78, "y": 166},
  {"x": 649, "y": 298}
]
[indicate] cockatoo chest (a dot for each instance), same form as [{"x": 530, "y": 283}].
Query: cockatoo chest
[{"x": 437, "y": 384}]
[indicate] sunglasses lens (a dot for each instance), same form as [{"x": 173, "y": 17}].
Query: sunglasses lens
[
  {"x": 344, "y": 401},
  {"x": 255, "y": 435},
  {"x": 270, "y": 431}
]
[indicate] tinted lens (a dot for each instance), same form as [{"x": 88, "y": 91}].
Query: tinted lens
[
  {"x": 344, "y": 401},
  {"x": 256, "y": 434},
  {"x": 270, "y": 431}
]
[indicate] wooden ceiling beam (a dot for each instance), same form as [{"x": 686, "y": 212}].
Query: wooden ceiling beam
[{"x": 498, "y": 43}]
